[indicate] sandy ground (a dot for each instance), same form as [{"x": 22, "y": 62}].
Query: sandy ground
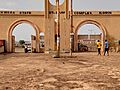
[{"x": 37, "y": 71}]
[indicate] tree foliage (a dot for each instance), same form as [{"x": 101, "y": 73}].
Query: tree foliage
[
  {"x": 21, "y": 42},
  {"x": 111, "y": 41}
]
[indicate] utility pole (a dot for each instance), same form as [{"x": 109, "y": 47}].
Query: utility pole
[
  {"x": 71, "y": 16},
  {"x": 58, "y": 30},
  {"x": 71, "y": 32}
]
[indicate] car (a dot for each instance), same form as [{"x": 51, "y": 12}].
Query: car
[
  {"x": 29, "y": 48},
  {"x": 82, "y": 47}
]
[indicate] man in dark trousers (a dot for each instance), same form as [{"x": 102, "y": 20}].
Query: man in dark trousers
[
  {"x": 25, "y": 48},
  {"x": 106, "y": 48},
  {"x": 99, "y": 47}
]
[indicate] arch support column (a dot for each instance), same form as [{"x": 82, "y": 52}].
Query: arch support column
[{"x": 37, "y": 43}]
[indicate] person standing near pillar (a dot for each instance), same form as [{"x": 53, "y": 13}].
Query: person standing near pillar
[
  {"x": 99, "y": 47},
  {"x": 106, "y": 48}
]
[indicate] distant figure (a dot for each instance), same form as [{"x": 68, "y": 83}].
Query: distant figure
[
  {"x": 99, "y": 47},
  {"x": 106, "y": 48},
  {"x": 25, "y": 48}
]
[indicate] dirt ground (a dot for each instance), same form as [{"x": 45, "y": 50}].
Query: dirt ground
[{"x": 37, "y": 71}]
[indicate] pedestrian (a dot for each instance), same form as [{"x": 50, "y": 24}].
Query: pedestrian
[
  {"x": 99, "y": 47},
  {"x": 25, "y": 48},
  {"x": 106, "y": 48}
]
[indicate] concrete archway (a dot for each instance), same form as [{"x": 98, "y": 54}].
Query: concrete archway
[
  {"x": 13, "y": 25},
  {"x": 101, "y": 27}
]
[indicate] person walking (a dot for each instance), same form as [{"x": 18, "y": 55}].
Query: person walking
[
  {"x": 99, "y": 47},
  {"x": 106, "y": 48},
  {"x": 25, "y": 48}
]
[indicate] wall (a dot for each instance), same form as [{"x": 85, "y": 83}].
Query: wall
[{"x": 110, "y": 22}]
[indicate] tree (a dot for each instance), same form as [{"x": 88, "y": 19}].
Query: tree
[
  {"x": 21, "y": 42},
  {"x": 111, "y": 41}
]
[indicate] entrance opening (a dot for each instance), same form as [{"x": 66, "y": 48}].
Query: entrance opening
[
  {"x": 87, "y": 36},
  {"x": 22, "y": 37}
]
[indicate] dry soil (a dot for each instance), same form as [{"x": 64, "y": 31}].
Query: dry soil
[{"x": 37, "y": 71}]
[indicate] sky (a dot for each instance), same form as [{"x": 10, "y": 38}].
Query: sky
[
  {"x": 38, "y": 5},
  {"x": 77, "y": 4},
  {"x": 23, "y": 32}
]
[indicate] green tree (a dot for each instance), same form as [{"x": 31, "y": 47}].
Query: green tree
[{"x": 21, "y": 42}]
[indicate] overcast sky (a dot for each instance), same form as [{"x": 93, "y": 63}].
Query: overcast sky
[
  {"x": 78, "y": 4},
  {"x": 38, "y": 5}
]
